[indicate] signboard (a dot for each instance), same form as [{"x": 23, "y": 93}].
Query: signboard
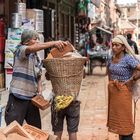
[{"x": 14, "y": 37}]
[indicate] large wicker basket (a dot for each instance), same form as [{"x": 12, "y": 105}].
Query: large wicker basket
[{"x": 66, "y": 74}]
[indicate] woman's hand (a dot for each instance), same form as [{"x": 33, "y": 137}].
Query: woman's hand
[{"x": 129, "y": 83}]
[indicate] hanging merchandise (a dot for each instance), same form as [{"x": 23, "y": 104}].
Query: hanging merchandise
[
  {"x": 21, "y": 9},
  {"x": 16, "y": 20},
  {"x": 36, "y": 17},
  {"x": 81, "y": 8},
  {"x": 39, "y": 23}
]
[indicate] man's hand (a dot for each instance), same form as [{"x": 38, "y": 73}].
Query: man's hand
[
  {"x": 69, "y": 44},
  {"x": 59, "y": 45}
]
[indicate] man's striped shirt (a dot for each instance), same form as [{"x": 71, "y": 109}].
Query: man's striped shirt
[{"x": 24, "y": 81}]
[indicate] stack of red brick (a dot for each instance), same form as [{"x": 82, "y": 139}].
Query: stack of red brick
[{"x": 14, "y": 131}]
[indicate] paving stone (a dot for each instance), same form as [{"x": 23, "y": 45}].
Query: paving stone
[{"x": 93, "y": 113}]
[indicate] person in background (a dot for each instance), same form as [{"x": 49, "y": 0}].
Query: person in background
[
  {"x": 99, "y": 44},
  {"x": 120, "y": 71},
  {"x": 132, "y": 43},
  {"x": 26, "y": 79}
]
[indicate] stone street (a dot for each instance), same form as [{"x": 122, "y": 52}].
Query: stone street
[{"x": 93, "y": 96}]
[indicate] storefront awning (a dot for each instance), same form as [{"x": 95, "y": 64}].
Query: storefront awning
[
  {"x": 100, "y": 28},
  {"x": 104, "y": 30}
]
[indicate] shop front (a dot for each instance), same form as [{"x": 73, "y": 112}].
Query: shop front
[{"x": 53, "y": 19}]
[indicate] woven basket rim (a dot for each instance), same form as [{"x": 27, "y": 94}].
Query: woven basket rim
[{"x": 65, "y": 59}]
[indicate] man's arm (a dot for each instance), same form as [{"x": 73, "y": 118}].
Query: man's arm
[{"x": 40, "y": 46}]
